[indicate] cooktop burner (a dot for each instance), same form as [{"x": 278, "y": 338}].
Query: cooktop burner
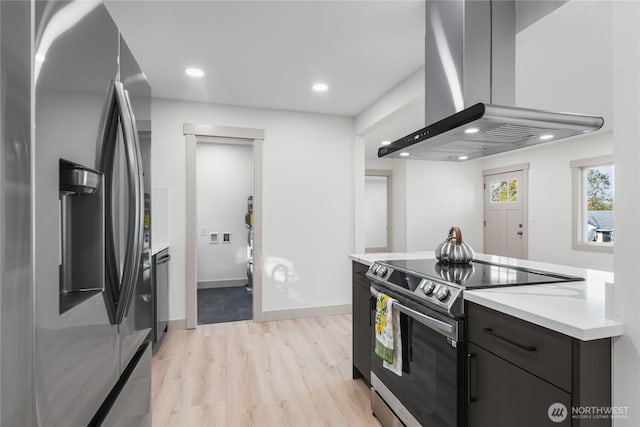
[
  {"x": 477, "y": 274},
  {"x": 440, "y": 286}
]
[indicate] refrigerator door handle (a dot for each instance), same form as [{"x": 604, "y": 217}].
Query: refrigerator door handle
[
  {"x": 117, "y": 110},
  {"x": 133, "y": 254},
  {"x": 105, "y": 153}
]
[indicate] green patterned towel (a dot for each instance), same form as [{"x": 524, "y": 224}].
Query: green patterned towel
[{"x": 384, "y": 329}]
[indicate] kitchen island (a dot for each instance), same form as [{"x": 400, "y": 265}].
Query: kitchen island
[
  {"x": 578, "y": 309},
  {"x": 534, "y": 354}
]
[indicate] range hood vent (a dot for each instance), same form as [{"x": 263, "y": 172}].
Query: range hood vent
[
  {"x": 485, "y": 129},
  {"x": 470, "y": 85}
]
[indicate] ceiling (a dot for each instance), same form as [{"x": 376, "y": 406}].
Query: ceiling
[{"x": 267, "y": 54}]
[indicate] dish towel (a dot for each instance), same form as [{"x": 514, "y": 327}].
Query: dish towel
[{"x": 388, "y": 340}]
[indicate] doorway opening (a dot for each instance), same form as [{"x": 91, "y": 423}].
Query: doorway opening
[
  {"x": 224, "y": 224},
  {"x": 377, "y": 212},
  {"x": 225, "y": 229},
  {"x": 506, "y": 211}
]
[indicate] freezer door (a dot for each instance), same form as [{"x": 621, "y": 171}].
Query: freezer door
[
  {"x": 76, "y": 344},
  {"x": 137, "y": 322},
  {"x": 16, "y": 261},
  {"x": 129, "y": 405}
]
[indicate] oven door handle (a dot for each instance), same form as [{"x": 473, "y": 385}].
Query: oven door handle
[{"x": 428, "y": 321}]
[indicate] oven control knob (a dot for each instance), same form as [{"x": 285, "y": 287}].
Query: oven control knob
[
  {"x": 428, "y": 288},
  {"x": 442, "y": 293},
  {"x": 382, "y": 270},
  {"x": 374, "y": 269}
]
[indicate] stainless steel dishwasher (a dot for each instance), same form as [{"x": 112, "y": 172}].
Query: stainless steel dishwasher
[{"x": 161, "y": 296}]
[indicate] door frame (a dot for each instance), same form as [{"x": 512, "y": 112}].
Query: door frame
[
  {"x": 191, "y": 133},
  {"x": 521, "y": 167},
  {"x": 388, "y": 175}
]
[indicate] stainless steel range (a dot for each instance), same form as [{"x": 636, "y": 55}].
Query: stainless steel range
[{"x": 429, "y": 296}]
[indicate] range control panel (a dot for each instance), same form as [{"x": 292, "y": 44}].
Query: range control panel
[{"x": 438, "y": 294}]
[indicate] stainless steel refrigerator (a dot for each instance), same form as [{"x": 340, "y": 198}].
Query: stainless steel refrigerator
[
  {"x": 16, "y": 258},
  {"x": 92, "y": 312}
]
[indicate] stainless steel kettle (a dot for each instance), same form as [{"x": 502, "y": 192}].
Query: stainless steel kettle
[{"x": 454, "y": 250}]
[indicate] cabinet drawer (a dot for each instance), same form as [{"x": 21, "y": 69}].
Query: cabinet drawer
[
  {"x": 503, "y": 395},
  {"x": 359, "y": 274},
  {"x": 540, "y": 351}
]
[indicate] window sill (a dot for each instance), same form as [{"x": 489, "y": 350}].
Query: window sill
[{"x": 593, "y": 247}]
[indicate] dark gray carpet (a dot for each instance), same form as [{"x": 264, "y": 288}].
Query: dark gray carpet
[{"x": 219, "y": 305}]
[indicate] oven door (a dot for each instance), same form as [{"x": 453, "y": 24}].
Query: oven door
[{"x": 430, "y": 391}]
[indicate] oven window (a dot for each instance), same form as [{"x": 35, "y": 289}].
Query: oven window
[{"x": 430, "y": 386}]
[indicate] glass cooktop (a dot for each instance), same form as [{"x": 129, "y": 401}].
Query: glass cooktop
[{"x": 476, "y": 275}]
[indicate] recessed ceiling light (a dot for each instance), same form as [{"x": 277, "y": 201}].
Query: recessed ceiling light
[
  {"x": 471, "y": 130},
  {"x": 194, "y": 72},
  {"x": 546, "y": 137},
  {"x": 320, "y": 87},
  {"x": 463, "y": 157},
  {"x": 404, "y": 154},
  {"x": 40, "y": 57},
  {"x": 385, "y": 143}
]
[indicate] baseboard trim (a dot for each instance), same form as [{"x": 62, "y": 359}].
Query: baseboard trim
[
  {"x": 299, "y": 313},
  {"x": 209, "y": 284},
  {"x": 177, "y": 325}
]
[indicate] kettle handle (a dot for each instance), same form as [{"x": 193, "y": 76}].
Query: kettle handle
[{"x": 456, "y": 230}]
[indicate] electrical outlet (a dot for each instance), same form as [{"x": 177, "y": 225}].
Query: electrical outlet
[
  {"x": 213, "y": 238},
  {"x": 226, "y": 237}
]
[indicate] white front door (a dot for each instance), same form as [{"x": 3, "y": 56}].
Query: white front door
[{"x": 505, "y": 202}]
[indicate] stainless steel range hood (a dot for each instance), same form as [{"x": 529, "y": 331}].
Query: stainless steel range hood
[{"x": 470, "y": 85}]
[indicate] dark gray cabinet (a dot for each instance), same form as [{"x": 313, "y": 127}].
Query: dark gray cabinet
[
  {"x": 362, "y": 328},
  {"x": 517, "y": 371}
]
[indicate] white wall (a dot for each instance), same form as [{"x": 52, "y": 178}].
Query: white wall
[
  {"x": 225, "y": 180},
  {"x": 626, "y": 349},
  {"x": 441, "y": 195},
  {"x": 563, "y": 61},
  {"x": 308, "y": 199},
  {"x": 395, "y": 99},
  {"x": 375, "y": 212}
]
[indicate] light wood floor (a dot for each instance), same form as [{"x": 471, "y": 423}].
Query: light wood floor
[{"x": 282, "y": 373}]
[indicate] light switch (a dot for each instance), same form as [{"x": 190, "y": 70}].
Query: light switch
[
  {"x": 213, "y": 238},
  {"x": 203, "y": 231},
  {"x": 226, "y": 237}
]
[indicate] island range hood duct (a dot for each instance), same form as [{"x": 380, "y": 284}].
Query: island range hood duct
[{"x": 470, "y": 85}]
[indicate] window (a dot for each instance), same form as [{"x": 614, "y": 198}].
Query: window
[
  {"x": 593, "y": 205},
  {"x": 504, "y": 191}
]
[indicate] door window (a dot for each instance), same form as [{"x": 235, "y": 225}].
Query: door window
[{"x": 504, "y": 191}]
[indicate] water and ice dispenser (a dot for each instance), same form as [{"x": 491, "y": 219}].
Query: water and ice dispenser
[{"x": 81, "y": 234}]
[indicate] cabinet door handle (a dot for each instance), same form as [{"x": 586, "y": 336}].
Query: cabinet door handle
[
  {"x": 372, "y": 307},
  {"x": 508, "y": 341},
  {"x": 471, "y": 390}
]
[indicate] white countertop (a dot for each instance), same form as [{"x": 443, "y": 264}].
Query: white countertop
[
  {"x": 157, "y": 247},
  {"x": 577, "y": 309}
]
